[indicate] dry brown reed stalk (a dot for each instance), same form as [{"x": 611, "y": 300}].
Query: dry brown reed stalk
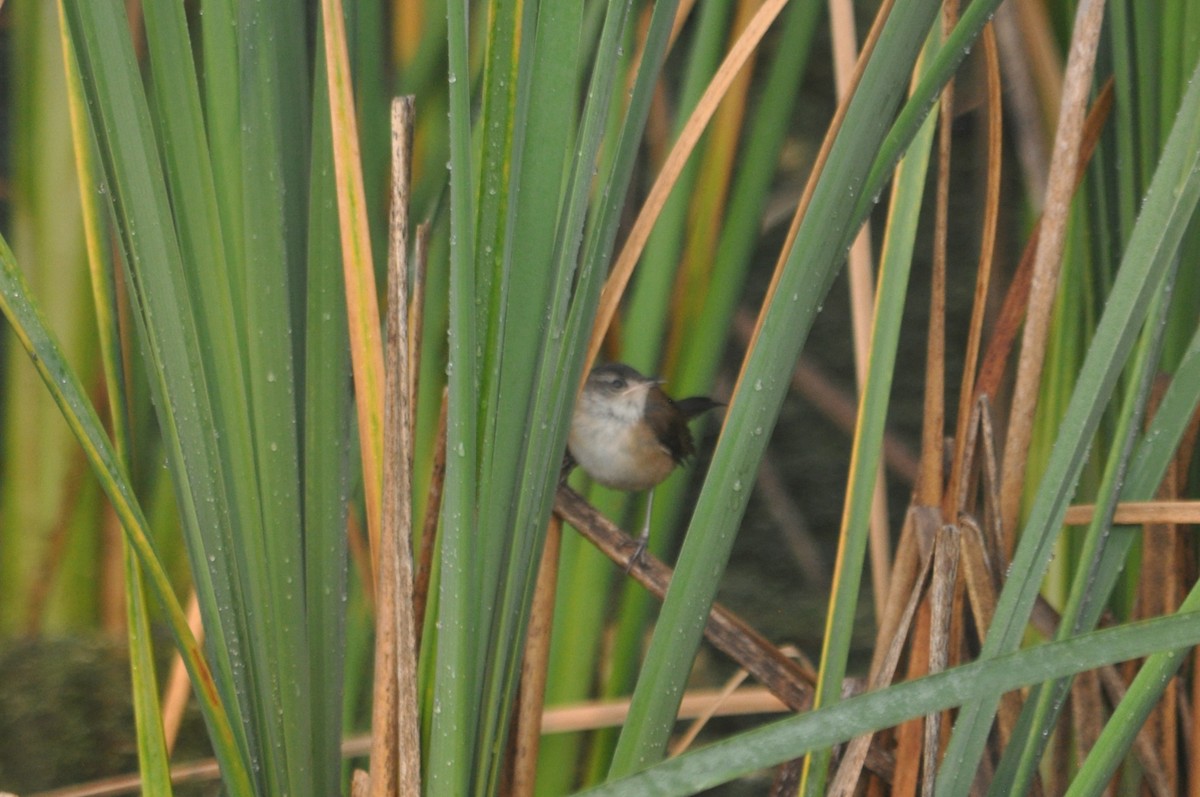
[
  {"x": 917, "y": 739},
  {"x": 395, "y": 748},
  {"x": 1048, "y": 260},
  {"x": 1159, "y": 594},
  {"x": 685, "y": 740},
  {"x": 596, "y": 714},
  {"x": 984, "y": 560},
  {"x": 1161, "y": 588},
  {"x": 1192, "y": 734},
  {"x": 941, "y": 600},
  {"x": 437, "y": 479},
  {"x": 983, "y": 571},
  {"x": 1137, "y": 513},
  {"x": 1012, "y": 312},
  {"x": 531, "y": 695},
  {"x": 910, "y": 735},
  {"x": 360, "y": 784},
  {"x": 954, "y": 498},
  {"x": 964, "y": 546},
  {"x": 845, "y": 781}
]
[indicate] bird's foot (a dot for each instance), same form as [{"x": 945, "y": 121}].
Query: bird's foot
[{"x": 638, "y": 549}]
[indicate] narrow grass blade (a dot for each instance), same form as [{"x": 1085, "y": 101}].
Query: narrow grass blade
[
  {"x": 153, "y": 762},
  {"x": 456, "y": 699},
  {"x": 275, "y": 157},
  {"x": 780, "y": 741},
  {"x": 328, "y": 406},
  {"x": 894, "y": 268}
]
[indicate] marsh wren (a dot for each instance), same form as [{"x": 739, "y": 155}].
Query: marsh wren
[{"x": 628, "y": 434}]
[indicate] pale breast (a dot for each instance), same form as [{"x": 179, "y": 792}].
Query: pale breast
[{"x": 621, "y": 456}]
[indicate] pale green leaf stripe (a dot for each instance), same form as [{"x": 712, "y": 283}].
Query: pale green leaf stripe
[
  {"x": 494, "y": 197},
  {"x": 328, "y": 409},
  {"x": 451, "y": 763},
  {"x": 274, "y": 98},
  {"x": 69, "y": 395},
  {"x": 1166, "y": 212},
  {"x": 790, "y": 738},
  {"x": 154, "y": 765}
]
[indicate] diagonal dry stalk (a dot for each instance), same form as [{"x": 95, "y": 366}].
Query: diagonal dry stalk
[
  {"x": 729, "y": 633},
  {"x": 531, "y": 694},
  {"x": 618, "y": 279},
  {"x": 785, "y": 678}
]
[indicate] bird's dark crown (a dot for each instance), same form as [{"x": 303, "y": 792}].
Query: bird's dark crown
[{"x": 616, "y": 377}]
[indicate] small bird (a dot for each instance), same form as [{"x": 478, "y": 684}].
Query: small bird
[{"x": 628, "y": 434}]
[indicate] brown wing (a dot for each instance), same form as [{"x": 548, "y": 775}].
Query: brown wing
[{"x": 669, "y": 425}]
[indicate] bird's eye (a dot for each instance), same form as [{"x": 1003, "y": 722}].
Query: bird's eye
[{"x": 618, "y": 383}]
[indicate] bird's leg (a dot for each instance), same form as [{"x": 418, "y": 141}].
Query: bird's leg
[{"x": 644, "y": 538}]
